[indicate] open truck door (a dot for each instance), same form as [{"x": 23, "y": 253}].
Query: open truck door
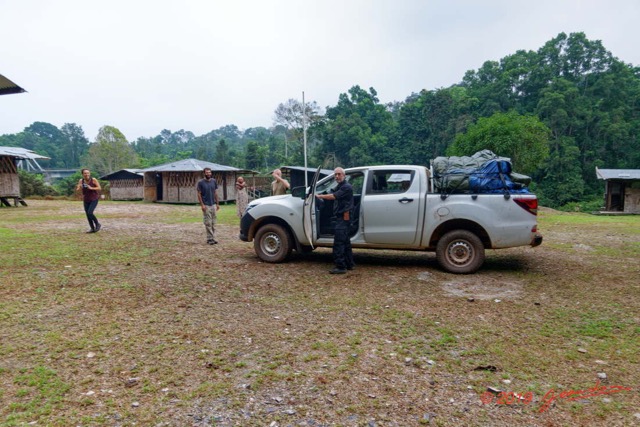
[{"x": 309, "y": 211}]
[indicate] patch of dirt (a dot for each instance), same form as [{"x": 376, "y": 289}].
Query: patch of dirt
[{"x": 487, "y": 289}]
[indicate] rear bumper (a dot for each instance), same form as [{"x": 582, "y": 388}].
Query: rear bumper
[{"x": 537, "y": 240}]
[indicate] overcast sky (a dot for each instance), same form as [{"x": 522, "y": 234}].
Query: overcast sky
[{"x": 148, "y": 65}]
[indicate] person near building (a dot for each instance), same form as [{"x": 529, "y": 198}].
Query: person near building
[
  {"x": 208, "y": 198},
  {"x": 279, "y": 185},
  {"x": 242, "y": 196}
]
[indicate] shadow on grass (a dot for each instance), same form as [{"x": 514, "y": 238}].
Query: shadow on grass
[{"x": 407, "y": 259}]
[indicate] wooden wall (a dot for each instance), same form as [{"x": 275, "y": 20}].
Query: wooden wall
[
  {"x": 632, "y": 198},
  {"x": 9, "y": 179},
  {"x": 126, "y": 189},
  {"x": 180, "y": 187}
]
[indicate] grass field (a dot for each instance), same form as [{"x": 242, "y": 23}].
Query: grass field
[{"x": 144, "y": 324}]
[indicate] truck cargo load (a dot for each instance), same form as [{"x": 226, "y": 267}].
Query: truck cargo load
[{"x": 483, "y": 172}]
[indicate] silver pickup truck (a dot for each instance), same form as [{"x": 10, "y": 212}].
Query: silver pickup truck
[{"x": 395, "y": 208}]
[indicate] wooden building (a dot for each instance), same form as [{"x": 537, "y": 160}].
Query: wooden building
[
  {"x": 622, "y": 191},
  {"x": 176, "y": 182},
  {"x": 126, "y": 184},
  {"x": 10, "y": 158}
]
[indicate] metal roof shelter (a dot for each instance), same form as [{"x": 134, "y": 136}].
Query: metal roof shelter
[
  {"x": 175, "y": 182},
  {"x": 125, "y": 184},
  {"x": 190, "y": 165},
  {"x": 621, "y": 174},
  {"x": 7, "y": 87},
  {"x": 10, "y": 160},
  {"x": 26, "y": 159},
  {"x": 123, "y": 173},
  {"x": 622, "y": 191}
]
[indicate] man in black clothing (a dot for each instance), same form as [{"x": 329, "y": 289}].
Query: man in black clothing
[{"x": 342, "y": 207}]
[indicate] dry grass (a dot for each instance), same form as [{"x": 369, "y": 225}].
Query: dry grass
[{"x": 144, "y": 324}]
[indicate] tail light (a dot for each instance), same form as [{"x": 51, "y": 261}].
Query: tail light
[{"x": 528, "y": 204}]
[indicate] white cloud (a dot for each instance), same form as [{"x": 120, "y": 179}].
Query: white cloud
[{"x": 143, "y": 66}]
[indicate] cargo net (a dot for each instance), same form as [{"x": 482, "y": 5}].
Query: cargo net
[{"x": 482, "y": 173}]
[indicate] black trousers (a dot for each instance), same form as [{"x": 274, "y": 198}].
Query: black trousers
[
  {"x": 89, "y": 207},
  {"x": 342, "y": 254}
]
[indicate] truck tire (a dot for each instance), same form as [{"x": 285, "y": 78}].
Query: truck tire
[
  {"x": 272, "y": 243},
  {"x": 460, "y": 252}
]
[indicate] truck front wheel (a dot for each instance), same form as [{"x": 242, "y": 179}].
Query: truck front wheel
[
  {"x": 460, "y": 252},
  {"x": 272, "y": 243}
]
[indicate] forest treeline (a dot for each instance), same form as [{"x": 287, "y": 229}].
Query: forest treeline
[{"x": 558, "y": 113}]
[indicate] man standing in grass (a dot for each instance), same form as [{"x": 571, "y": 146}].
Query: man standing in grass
[{"x": 208, "y": 199}]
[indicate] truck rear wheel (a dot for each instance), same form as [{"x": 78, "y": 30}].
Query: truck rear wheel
[
  {"x": 272, "y": 243},
  {"x": 460, "y": 251}
]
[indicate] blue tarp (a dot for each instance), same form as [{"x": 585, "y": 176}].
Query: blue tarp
[
  {"x": 493, "y": 177},
  {"x": 484, "y": 172}
]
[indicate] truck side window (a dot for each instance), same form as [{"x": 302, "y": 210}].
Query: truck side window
[{"x": 393, "y": 181}]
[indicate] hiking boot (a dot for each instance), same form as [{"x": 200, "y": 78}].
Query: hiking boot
[{"x": 98, "y": 227}]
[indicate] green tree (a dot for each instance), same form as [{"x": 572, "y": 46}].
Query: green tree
[
  {"x": 293, "y": 116},
  {"x": 252, "y": 155},
  {"x": 429, "y": 121},
  {"x": 76, "y": 145},
  {"x": 357, "y": 130},
  {"x": 222, "y": 152},
  {"x": 110, "y": 152},
  {"x": 47, "y": 140},
  {"x": 524, "y": 139}
]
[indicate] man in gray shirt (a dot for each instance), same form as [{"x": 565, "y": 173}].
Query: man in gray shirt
[{"x": 208, "y": 199}]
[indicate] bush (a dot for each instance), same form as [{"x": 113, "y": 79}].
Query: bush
[
  {"x": 67, "y": 186},
  {"x": 32, "y": 184},
  {"x": 586, "y": 206}
]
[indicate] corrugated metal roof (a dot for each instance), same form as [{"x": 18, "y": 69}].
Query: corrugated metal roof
[
  {"x": 190, "y": 165},
  {"x": 21, "y": 153},
  {"x": 123, "y": 173},
  {"x": 606, "y": 174},
  {"x": 8, "y": 87}
]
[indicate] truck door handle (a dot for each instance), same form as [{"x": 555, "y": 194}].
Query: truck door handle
[{"x": 405, "y": 200}]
